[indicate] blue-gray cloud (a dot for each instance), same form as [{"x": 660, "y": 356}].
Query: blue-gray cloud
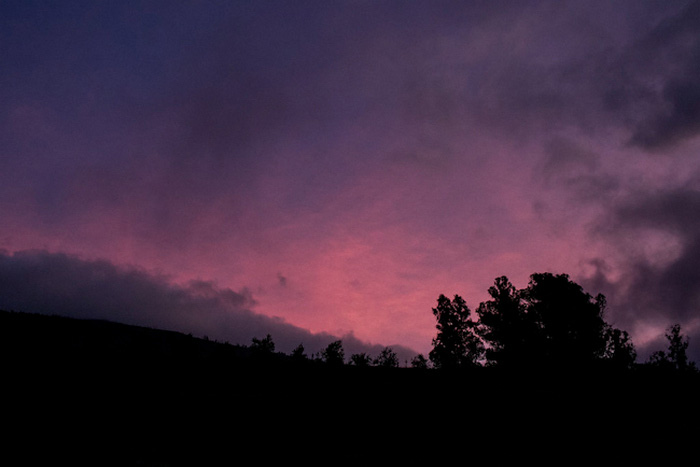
[
  {"x": 64, "y": 285},
  {"x": 661, "y": 286}
]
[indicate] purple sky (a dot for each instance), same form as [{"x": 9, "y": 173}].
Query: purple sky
[{"x": 328, "y": 168}]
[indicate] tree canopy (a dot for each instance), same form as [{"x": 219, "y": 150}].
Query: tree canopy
[
  {"x": 334, "y": 354},
  {"x": 456, "y": 344},
  {"x": 551, "y": 322}
]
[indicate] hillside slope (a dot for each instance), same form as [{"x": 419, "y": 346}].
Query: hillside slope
[{"x": 101, "y": 393}]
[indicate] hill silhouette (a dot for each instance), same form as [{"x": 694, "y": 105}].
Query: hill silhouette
[{"x": 104, "y": 393}]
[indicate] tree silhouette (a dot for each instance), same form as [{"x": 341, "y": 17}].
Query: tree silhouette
[
  {"x": 298, "y": 353},
  {"x": 456, "y": 344},
  {"x": 419, "y": 361},
  {"x": 387, "y": 358},
  {"x": 334, "y": 354},
  {"x": 360, "y": 359},
  {"x": 676, "y": 357},
  {"x": 569, "y": 324},
  {"x": 504, "y": 326},
  {"x": 677, "y": 349},
  {"x": 551, "y": 322},
  {"x": 619, "y": 349},
  {"x": 263, "y": 346}
]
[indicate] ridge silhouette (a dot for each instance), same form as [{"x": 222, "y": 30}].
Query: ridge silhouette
[{"x": 528, "y": 365}]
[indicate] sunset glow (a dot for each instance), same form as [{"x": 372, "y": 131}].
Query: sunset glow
[{"x": 338, "y": 165}]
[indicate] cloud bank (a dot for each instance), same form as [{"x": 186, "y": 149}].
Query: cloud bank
[{"x": 59, "y": 284}]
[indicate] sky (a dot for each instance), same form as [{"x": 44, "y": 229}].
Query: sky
[{"x": 326, "y": 169}]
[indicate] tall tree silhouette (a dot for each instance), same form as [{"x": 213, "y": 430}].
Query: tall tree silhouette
[
  {"x": 569, "y": 322},
  {"x": 456, "y": 344},
  {"x": 504, "y": 325},
  {"x": 553, "y": 321}
]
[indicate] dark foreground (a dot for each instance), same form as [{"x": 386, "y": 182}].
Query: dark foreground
[{"x": 95, "y": 393}]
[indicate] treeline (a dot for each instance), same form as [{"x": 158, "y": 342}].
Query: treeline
[
  {"x": 333, "y": 355},
  {"x": 58, "y": 341},
  {"x": 113, "y": 394},
  {"x": 552, "y": 323}
]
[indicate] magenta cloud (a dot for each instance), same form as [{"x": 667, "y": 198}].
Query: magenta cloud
[{"x": 345, "y": 163}]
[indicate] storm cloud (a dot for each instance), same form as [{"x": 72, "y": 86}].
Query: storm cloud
[
  {"x": 668, "y": 60},
  {"x": 657, "y": 283},
  {"x": 59, "y": 284},
  {"x": 674, "y": 283}
]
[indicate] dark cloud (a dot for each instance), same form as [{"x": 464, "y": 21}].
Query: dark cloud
[
  {"x": 590, "y": 68},
  {"x": 662, "y": 82},
  {"x": 566, "y": 161},
  {"x": 658, "y": 286},
  {"x": 213, "y": 97},
  {"x": 644, "y": 83},
  {"x": 46, "y": 283},
  {"x": 678, "y": 117},
  {"x": 672, "y": 210},
  {"x": 674, "y": 286}
]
